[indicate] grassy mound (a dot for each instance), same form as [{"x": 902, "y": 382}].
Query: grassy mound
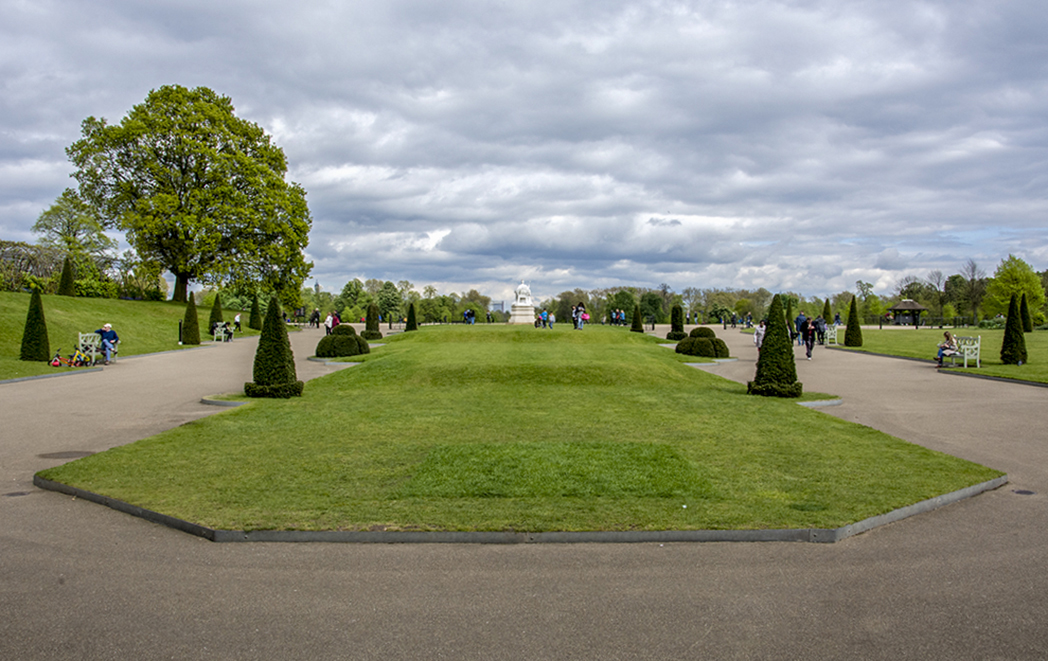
[{"x": 505, "y": 428}]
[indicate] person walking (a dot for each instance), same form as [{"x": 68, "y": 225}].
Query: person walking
[
  {"x": 807, "y": 331},
  {"x": 758, "y": 335},
  {"x": 797, "y": 325},
  {"x": 327, "y": 325}
]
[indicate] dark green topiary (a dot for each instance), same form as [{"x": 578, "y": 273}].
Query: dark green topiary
[
  {"x": 254, "y": 320},
  {"x": 216, "y": 312},
  {"x": 67, "y": 283},
  {"x": 338, "y": 345},
  {"x": 343, "y": 329},
  {"x": 790, "y": 328},
  {"x": 827, "y": 312},
  {"x": 274, "y": 368},
  {"x": 702, "y": 331},
  {"x": 676, "y": 324},
  {"x": 853, "y": 331},
  {"x": 720, "y": 347},
  {"x": 1013, "y": 346},
  {"x": 35, "y": 345},
  {"x": 371, "y": 331},
  {"x": 412, "y": 324},
  {"x": 1024, "y": 314},
  {"x": 684, "y": 346},
  {"x": 190, "y": 323},
  {"x": 776, "y": 371},
  {"x": 637, "y": 324}
]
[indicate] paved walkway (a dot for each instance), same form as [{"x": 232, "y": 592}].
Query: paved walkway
[{"x": 80, "y": 581}]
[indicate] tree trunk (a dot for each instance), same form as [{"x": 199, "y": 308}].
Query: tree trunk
[{"x": 181, "y": 287}]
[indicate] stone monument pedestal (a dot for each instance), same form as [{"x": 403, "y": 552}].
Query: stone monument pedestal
[{"x": 522, "y": 314}]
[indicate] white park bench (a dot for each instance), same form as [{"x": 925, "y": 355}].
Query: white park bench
[
  {"x": 968, "y": 348},
  {"x": 831, "y": 334}
]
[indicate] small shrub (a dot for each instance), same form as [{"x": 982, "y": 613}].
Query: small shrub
[
  {"x": 853, "y": 331},
  {"x": 88, "y": 288},
  {"x": 254, "y": 320},
  {"x": 675, "y": 336},
  {"x": 190, "y": 323},
  {"x": 720, "y": 347},
  {"x": 371, "y": 331},
  {"x": 66, "y": 284},
  {"x": 637, "y": 325},
  {"x": 343, "y": 329},
  {"x": 363, "y": 344},
  {"x": 776, "y": 372},
  {"x": 702, "y": 331},
  {"x": 216, "y": 312},
  {"x": 997, "y": 323},
  {"x": 371, "y": 335},
  {"x": 1013, "y": 346},
  {"x": 412, "y": 324},
  {"x": 35, "y": 345},
  {"x": 677, "y": 319},
  {"x": 337, "y": 346},
  {"x": 697, "y": 346},
  {"x": 274, "y": 367}
]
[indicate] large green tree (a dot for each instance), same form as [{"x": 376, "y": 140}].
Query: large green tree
[
  {"x": 1014, "y": 277},
  {"x": 197, "y": 190},
  {"x": 72, "y": 224}
]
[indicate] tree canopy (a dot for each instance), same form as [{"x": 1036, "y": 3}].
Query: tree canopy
[
  {"x": 196, "y": 190},
  {"x": 1014, "y": 277},
  {"x": 71, "y": 224}
]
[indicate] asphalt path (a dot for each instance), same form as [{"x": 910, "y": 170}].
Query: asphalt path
[{"x": 77, "y": 580}]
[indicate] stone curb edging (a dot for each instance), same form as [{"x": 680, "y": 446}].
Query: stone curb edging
[
  {"x": 819, "y": 403},
  {"x": 314, "y": 359},
  {"x": 814, "y": 535},
  {"x": 210, "y": 401},
  {"x": 51, "y": 376}
]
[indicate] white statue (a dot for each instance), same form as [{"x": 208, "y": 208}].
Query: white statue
[{"x": 523, "y": 294}]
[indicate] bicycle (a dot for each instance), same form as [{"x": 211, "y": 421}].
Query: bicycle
[{"x": 77, "y": 359}]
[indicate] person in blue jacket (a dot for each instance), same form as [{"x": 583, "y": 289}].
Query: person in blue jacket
[{"x": 109, "y": 340}]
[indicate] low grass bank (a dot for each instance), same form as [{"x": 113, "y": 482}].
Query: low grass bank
[
  {"x": 143, "y": 327},
  {"x": 922, "y": 343},
  {"x": 506, "y": 428}
]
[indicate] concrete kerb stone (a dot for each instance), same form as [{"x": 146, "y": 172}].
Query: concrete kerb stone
[
  {"x": 94, "y": 369},
  {"x": 819, "y": 403},
  {"x": 813, "y": 535},
  {"x": 945, "y": 370},
  {"x": 334, "y": 363}
]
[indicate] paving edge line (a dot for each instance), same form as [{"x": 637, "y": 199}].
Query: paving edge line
[
  {"x": 819, "y": 403},
  {"x": 813, "y": 535},
  {"x": 51, "y": 376},
  {"x": 314, "y": 359}
]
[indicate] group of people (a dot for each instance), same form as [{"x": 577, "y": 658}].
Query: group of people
[
  {"x": 617, "y": 317},
  {"x": 806, "y": 331},
  {"x": 545, "y": 319},
  {"x": 331, "y": 321},
  {"x": 579, "y": 316}
]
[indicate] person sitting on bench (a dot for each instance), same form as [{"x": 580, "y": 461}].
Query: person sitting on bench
[
  {"x": 109, "y": 340},
  {"x": 947, "y": 347}
]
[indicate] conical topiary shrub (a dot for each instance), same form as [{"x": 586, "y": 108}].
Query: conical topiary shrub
[
  {"x": 827, "y": 312},
  {"x": 412, "y": 324},
  {"x": 1024, "y": 314},
  {"x": 254, "y": 320},
  {"x": 371, "y": 331},
  {"x": 676, "y": 324},
  {"x": 274, "y": 368},
  {"x": 776, "y": 371},
  {"x": 638, "y": 324},
  {"x": 190, "y": 323},
  {"x": 216, "y": 312},
  {"x": 34, "y": 338},
  {"x": 853, "y": 331},
  {"x": 1013, "y": 346},
  {"x": 67, "y": 284}
]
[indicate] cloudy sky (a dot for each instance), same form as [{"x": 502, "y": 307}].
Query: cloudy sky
[{"x": 791, "y": 145}]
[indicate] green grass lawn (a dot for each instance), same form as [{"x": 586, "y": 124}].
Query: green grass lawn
[
  {"x": 910, "y": 343},
  {"x": 505, "y": 428},
  {"x": 143, "y": 327}
]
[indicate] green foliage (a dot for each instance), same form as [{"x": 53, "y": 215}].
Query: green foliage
[
  {"x": 853, "y": 330},
  {"x": 338, "y": 345},
  {"x": 72, "y": 225},
  {"x": 66, "y": 285},
  {"x": 720, "y": 347},
  {"x": 789, "y": 316},
  {"x": 676, "y": 322},
  {"x": 676, "y": 336},
  {"x": 216, "y": 312},
  {"x": 196, "y": 190},
  {"x": 1014, "y": 276},
  {"x": 637, "y": 326},
  {"x": 371, "y": 331},
  {"x": 190, "y": 323},
  {"x": 827, "y": 311},
  {"x": 94, "y": 288},
  {"x": 702, "y": 331},
  {"x": 343, "y": 329},
  {"x": 274, "y": 368},
  {"x": 412, "y": 324},
  {"x": 254, "y": 320},
  {"x": 652, "y": 306},
  {"x": 1024, "y": 314},
  {"x": 389, "y": 301},
  {"x": 697, "y": 346},
  {"x": 1013, "y": 345},
  {"x": 35, "y": 345},
  {"x": 776, "y": 371}
]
